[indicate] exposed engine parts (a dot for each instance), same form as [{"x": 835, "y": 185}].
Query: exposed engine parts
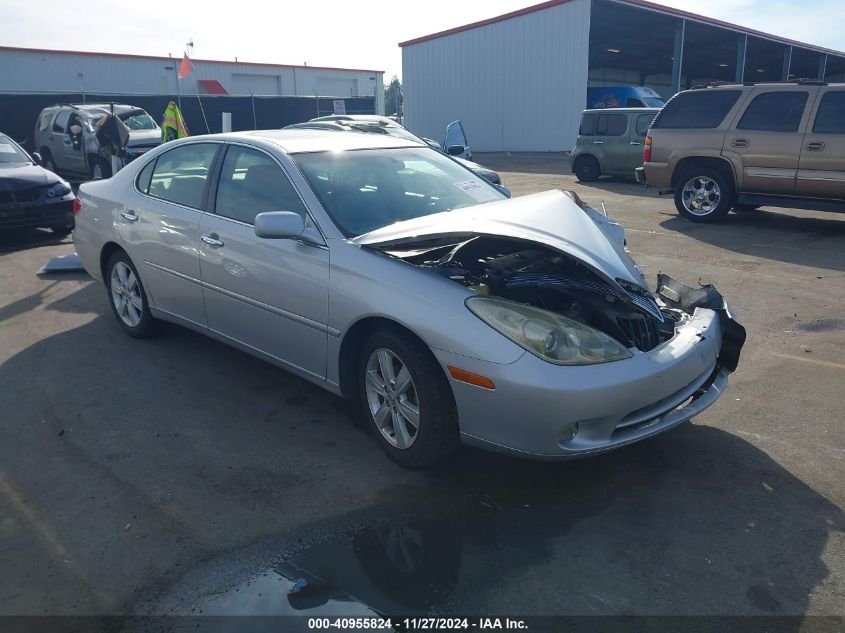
[{"x": 547, "y": 279}]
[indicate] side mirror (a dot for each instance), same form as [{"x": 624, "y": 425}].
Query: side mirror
[
  {"x": 37, "y": 158},
  {"x": 455, "y": 150},
  {"x": 279, "y": 225}
]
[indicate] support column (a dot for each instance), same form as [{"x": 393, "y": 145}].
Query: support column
[
  {"x": 741, "y": 49},
  {"x": 822, "y": 67},
  {"x": 678, "y": 61},
  {"x": 787, "y": 62}
]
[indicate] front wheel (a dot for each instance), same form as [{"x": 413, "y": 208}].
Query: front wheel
[
  {"x": 703, "y": 195},
  {"x": 407, "y": 399},
  {"x": 127, "y": 297},
  {"x": 62, "y": 230}
]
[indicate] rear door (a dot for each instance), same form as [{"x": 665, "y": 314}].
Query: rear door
[
  {"x": 612, "y": 139},
  {"x": 159, "y": 226},
  {"x": 821, "y": 169},
  {"x": 767, "y": 138}
]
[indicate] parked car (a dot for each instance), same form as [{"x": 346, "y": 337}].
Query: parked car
[
  {"x": 31, "y": 196},
  {"x": 744, "y": 146},
  {"x": 610, "y": 142},
  {"x": 65, "y": 136},
  {"x": 383, "y": 125},
  {"x": 381, "y": 270},
  {"x": 624, "y": 97}
]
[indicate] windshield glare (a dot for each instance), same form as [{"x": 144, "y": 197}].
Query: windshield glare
[
  {"x": 10, "y": 152},
  {"x": 365, "y": 190},
  {"x": 139, "y": 121}
]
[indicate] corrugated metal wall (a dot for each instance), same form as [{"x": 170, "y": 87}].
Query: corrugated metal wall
[
  {"x": 27, "y": 72},
  {"x": 519, "y": 85}
]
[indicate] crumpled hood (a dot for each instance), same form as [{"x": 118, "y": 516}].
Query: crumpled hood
[
  {"x": 20, "y": 176},
  {"x": 551, "y": 218}
]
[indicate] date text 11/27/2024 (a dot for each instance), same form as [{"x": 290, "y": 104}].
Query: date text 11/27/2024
[{"x": 418, "y": 624}]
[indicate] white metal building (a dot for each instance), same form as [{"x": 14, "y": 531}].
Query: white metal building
[
  {"x": 33, "y": 71},
  {"x": 519, "y": 81}
]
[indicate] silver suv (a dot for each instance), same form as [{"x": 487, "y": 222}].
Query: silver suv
[
  {"x": 610, "y": 142},
  {"x": 65, "y": 136}
]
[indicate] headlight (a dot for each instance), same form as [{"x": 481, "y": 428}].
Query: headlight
[
  {"x": 58, "y": 190},
  {"x": 550, "y": 336}
]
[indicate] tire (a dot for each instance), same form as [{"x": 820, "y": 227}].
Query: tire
[
  {"x": 135, "y": 317},
  {"x": 49, "y": 164},
  {"x": 745, "y": 208},
  {"x": 61, "y": 231},
  {"x": 99, "y": 168},
  {"x": 586, "y": 168},
  {"x": 436, "y": 435},
  {"x": 704, "y": 195}
]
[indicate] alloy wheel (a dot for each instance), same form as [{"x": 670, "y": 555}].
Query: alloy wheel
[
  {"x": 126, "y": 294},
  {"x": 392, "y": 398},
  {"x": 701, "y": 195}
]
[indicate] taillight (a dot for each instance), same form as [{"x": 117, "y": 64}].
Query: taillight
[
  {"x": 647, "y": 150},
  {"x": 77, "y": 206}
]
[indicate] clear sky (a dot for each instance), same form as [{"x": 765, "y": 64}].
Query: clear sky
[{"x": 331, "y": 32}]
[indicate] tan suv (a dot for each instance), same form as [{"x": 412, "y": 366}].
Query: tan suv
[{"x": 743, "y": 146}]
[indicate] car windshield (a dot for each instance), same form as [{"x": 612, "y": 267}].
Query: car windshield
[
  {"x": 365, "y": 190},
  {"x": 10, "y": 152},
  {"x": 139, "y": 120}
]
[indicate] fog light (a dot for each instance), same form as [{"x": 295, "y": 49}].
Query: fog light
[{"x": 568, "y": 433}]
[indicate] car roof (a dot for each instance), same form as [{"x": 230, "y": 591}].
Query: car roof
[
  {"x": 97, "y": 108},
  {"x": 295, "y": 141},
  {"x": 370, "y": 118}
]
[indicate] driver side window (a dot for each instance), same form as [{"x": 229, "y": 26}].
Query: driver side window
[{"x": 251, "y": 183}]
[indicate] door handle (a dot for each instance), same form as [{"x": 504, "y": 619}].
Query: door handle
[
  {"x": 130, "y": 216},
  {"x": 635, "y": 143},
  {"x": 212, "y": 239},
  {"x": 814, "y": 146},
  {"x": 598, "y": 142},
  {"x": 740, "y": 142}
]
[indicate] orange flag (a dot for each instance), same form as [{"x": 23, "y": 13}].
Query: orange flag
[{"x": 186, "y": 67}]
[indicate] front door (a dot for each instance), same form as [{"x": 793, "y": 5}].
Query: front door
[
  {"x": 270, "y": 295},
  {"x": 159, "y": 224},
  {"x": 767, "y": 140},
  {"x": 73, "y": 146},
  {"x": 821, "y": 170}
]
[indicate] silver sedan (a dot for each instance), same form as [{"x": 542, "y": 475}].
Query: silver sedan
[{"x": 386, "y": 272}]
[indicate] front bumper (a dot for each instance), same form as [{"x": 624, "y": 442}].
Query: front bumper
[
  {"x": 41, "y": 213},
  {"x": 535, "y": 404}
]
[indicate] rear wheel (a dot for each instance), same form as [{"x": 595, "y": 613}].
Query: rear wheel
[
  {"x": 127, "y": 297},
  {"x": 407, "y": 399},
  {"x": 587, "y": 169},
  {"x": 99, "y": 168},
  {"x": 703, "y": 195}
]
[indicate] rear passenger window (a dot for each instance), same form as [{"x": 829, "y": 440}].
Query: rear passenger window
[
  {"x": 251, "y": 183},
  {"x": 774, "y": 112},
  {"x": 180, "y": 175},
  {"x": 643, "y": 123},
  {"x": 61, "y": 121},
  {"x": 145, "y": 176},
  {"x": 830, "y": 118},
  {"x": 696, "y": 109},
  {"x": 588, "y": 125},
  {"x": 612, "y": 124}
]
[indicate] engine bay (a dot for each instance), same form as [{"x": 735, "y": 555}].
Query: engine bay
[{"x": 537, "y": 275}]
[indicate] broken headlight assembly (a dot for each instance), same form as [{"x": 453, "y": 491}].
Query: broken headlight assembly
[{"x": 552, "y": 337}]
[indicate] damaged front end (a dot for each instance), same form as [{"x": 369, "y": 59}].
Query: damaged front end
[{"x": 566, "y": 309}]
